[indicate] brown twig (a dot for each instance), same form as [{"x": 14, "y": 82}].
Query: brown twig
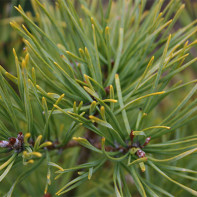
[{"x": 73, "y": 143}]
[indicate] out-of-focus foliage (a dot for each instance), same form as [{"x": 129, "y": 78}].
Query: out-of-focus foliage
[
  {"x": 190, "y": 14},
  {"x": 9, "y": 39}
]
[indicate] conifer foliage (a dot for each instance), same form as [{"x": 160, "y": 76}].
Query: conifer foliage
[{"x": 97, "y": 107}]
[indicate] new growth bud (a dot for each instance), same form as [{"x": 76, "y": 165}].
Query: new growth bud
[
  {"x": 147, "y": 141},
  {"x": 4, "y": 144},
  {"x": 131, "y": 136},
  {"x": 14, "y": 143},
  {"x": 107, "y": 89},
  {"x": 20, "y": 137},
  {"x": 140, "y": 153}
]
